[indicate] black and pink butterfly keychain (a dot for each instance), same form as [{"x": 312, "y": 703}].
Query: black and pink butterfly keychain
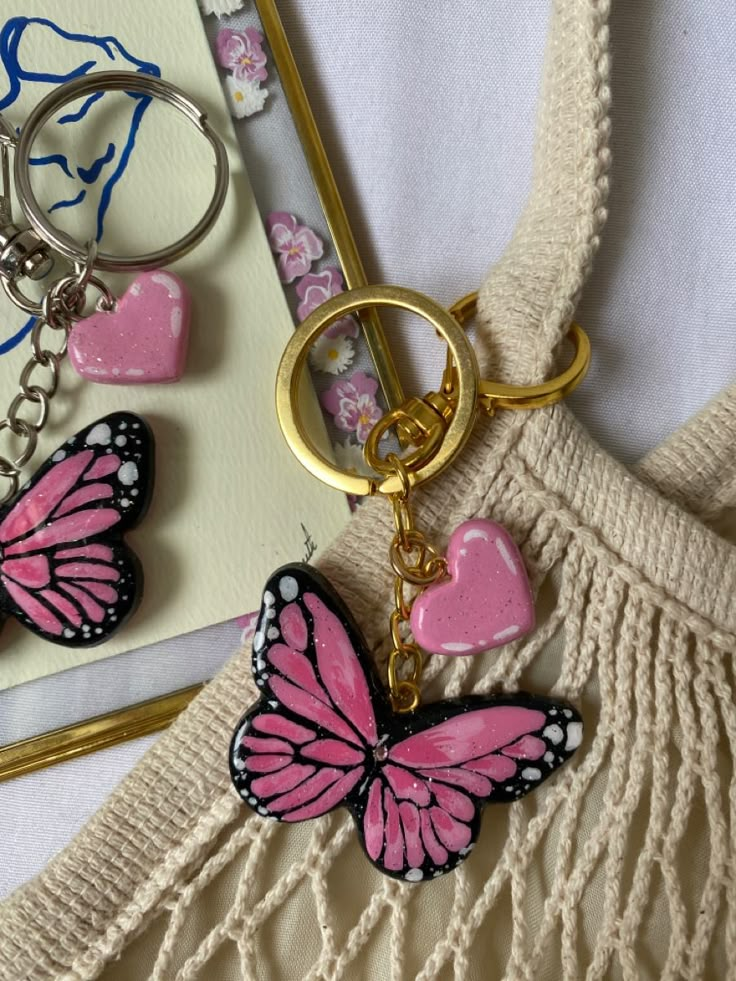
[
  {"x": 65, "y": 572},
  {"x": 326, "y": 732}
]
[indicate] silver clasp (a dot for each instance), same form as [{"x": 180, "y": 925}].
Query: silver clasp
[{"x": 22, "y": 251}]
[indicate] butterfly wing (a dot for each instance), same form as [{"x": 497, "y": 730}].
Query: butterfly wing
[
  {"x": 420, "y": 815},
  {"x": 65, "y": 572},
  {"x": 306, "y": 746}
]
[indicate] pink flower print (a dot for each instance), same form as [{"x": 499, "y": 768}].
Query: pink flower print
[
  {"x": 314, "y": 290},
  {"x": 247, "y": 624},
  {"x": 241, "y": 52},
  {"x": 353, "y": 405},
  {"x": 358, "y": 384},
  {"x": 295, "y": 245}
]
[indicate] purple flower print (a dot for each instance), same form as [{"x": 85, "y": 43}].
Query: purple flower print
[
  {"x": 353, "y": 405},
  {"x": 247, "y": 624},
  {"x": 314, "y": 289},
  {"x": 295, "y": 245},
  {"x": 241, "y": 52}
]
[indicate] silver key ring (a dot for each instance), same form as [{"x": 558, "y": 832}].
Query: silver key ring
[{"x": 124, "y": 82}]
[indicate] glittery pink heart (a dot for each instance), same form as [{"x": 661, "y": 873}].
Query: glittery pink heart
[
  {"x": 142, "y": 341},
  {"x": 487, "y": 600}
]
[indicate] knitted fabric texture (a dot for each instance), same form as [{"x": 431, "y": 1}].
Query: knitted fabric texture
[{"x": 621, "y": 866}]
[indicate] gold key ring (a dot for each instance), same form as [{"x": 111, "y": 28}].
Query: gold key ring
[
  {"x": 437, "y": 425},
  {"x": 497, "y": 395},
  {"x": 434, "y": 452}
]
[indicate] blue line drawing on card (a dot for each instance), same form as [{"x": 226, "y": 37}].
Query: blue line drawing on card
[{"x": 19, "y": 46}]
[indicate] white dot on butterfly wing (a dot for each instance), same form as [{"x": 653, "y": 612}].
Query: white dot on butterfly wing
[
  {"x": 531, "y": 773},
  {"x": 574, "y": 735},
  {"x": 69, "y": 633},
  {"x": 121, "y": 440},
  {"x": 273, "y": 633},
  {"x": 567, "y": 713},
  {"x": 99, "y": 435},
  {"x": 414, "y": 875},
  {"x": 128, "y": 473},
  {"x": 289, "y": 588},
  {"x": 59, "y": 455},
  {"x": 554, "y": 733},
  {"x": 268, "y": 598},
  {"x": 549, "y": 756},
  {"x": 259, "y": 640}
]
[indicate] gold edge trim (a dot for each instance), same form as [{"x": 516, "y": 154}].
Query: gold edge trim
[
  {"x": 99, "y": 732},
  {"x": 329, "y": 196}
]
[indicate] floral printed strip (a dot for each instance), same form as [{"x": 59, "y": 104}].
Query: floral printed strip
[
  {"x": 349, "y": 456},
  {"x": 314, "y": 290},
  {"x": 296, "y": 246},
  {"x": 332, "y": 354},
  {"x": 244, "y": 98},
  {"x": 247, "y": 623},
  {"x": 241, "y": 52},
  {"x": 352, "y": 404}
]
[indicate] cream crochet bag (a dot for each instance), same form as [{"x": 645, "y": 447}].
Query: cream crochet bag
[{"x": 622, "y": 865}]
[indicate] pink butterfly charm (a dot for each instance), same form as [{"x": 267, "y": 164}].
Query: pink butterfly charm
[
  {"x": 65, "y": 572},
  {"x": 323, "y": 735}
]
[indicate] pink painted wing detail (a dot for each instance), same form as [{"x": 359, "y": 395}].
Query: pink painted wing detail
[
  {"x": 467, "y": 736},
  {"x": 63, "y": 569},
  {"x": 340, "y": 669}
]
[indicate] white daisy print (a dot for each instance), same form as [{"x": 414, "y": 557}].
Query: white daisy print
[
  {"x": 349, "y": 456},
  {"x": 244, "y": 97},
  {"x": 332, "y": 354}
]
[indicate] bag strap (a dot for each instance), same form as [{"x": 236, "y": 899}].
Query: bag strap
[
  {"x": 696, "y": 466},
  {"x": 528, "y": 299}
]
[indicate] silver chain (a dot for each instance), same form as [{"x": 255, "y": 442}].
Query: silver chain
[{"x": 28, "y": 411}]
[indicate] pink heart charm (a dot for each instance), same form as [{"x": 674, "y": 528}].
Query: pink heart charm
[
  {"x": 487, "y": 601},
  {"x": 142, "y": 341}
]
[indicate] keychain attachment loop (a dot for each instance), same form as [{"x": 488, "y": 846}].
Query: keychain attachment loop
[
  {"x": 78, "y": 88},
  {"x": 452, "y": 434},
  {"x": 497, "y": 395}
]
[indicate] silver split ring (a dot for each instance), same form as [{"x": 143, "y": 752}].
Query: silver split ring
[{"x": 77, "y": 88}]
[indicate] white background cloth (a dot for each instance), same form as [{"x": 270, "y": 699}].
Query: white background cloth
[{"x": 427, "y": 110}]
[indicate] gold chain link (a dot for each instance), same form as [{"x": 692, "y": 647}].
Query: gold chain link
[{"x": 415, "y": 563}]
